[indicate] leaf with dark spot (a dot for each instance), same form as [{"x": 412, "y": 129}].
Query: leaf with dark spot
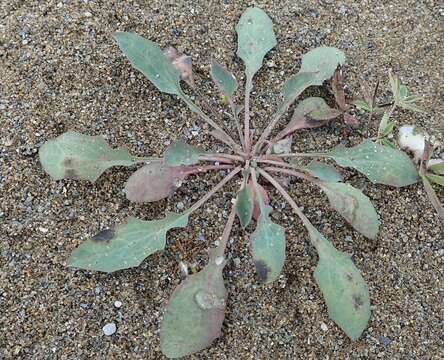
[
  {"x": 345, "y": 291},
  {"x": 76, "y": 156},
  {"x": 268, "y": 247},
  {"x": 354, "y": 206},
  {"x": 195, "y": 312},
  {"x": 154, "y": 182},
  {"x": 128, "y": 246},
  {"x": 264, "y": 195},
  {"x": 104, "y": 235}
]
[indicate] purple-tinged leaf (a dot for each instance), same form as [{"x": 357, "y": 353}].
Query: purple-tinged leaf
[
  {"x": 350, "y": 120},
  {"x": 265, "y": 198},
  {"x": 154, "y": 182},
  {"x": 310, "y": 113},
  {"x": 354, "y": 206},
  {"x": 183, "y": 63},
  {"x": 337, "y": 85},
  {"x": 195, "y": 312}
]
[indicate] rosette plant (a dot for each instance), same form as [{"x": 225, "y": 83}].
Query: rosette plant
[{"x": 194, "y": 315}]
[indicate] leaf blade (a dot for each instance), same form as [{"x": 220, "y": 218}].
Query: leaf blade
[
  {"x": 195, "y": 312},
  {"x": 354, "y": 206},
  {"x": 128, "y": 246},
  {"x": 153, "y": 182},
  {"x": 181, "y": 153},
  {"x": 224, "y": 80},
  {"x": 323, "y": 171},
  {"x": 343, "y": 287},
  {"x": 255, "y": 37},
  {"x": 380, "y": 164},
  {"x": 268, "y": 247},
  {"x": 147, "y": 57},
  {"x": 244, "y": 206},
  {"x": 73, "y": 155}
]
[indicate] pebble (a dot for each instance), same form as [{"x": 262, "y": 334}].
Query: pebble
[
  {"x": 324, "y": 327},
  {"x": 109, "y": 329},
  {"x": 117, "y": 304}
]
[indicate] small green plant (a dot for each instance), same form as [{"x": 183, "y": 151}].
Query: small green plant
[
  {"x": 195, "y": 312},
  {"x": 411, "y": 138}
]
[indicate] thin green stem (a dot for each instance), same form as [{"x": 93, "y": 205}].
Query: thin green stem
[
  {"x": 220, "y": 250},
  {"x": 281, "y": 111},
  {"x": 197, "y": 169},
  {"x": 193, "y": 107},
  {"x": 247, "y": 140},
  {"x": 291, "y": 202},
  {"x": 208, "y": 195},
  {"x": 280, "y": 163},
  {"x": 313, "y": 154},
  {"x": 236, "y": 120},
  {"x": 298, "y": 174}
]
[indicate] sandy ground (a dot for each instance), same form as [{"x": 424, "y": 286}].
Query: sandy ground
[{"x": 60, "y": 70}]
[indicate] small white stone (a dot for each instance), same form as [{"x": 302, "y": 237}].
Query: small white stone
[
  {"x": 43, "y": 230},
  {"x": 324, "y": 327},
  {"x": 109, "y": 329},
  {"x": 117, "y": 304}
]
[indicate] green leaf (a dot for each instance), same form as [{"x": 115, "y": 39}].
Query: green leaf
[
  {"x": 76, "y": 156},
  {"x": 268, "y": 247},
  {"x": 437, "y": 179},
  {"x": 322, "y": 62},
  {"x": 127, "y": 246},
  {"x": 224, "y": 80},
  {"x": 317, "y": 109},
  {"x": 255, "y": 38},
  {"x": 154, "y": 182},
  {"x": 354, "y": 206},
  {"x": 437, "y": 168},
  {"x": 244, "y": 206},
  {"x": 381, "y": 164},
  {"x": 318, "y": 65},
  {"x": 343, "y": 287},
  {"x": 180, "y": 153},
  {"x": 323, "y": 171},
  {"x": 361, "y": 105},
  {"x": 195, "y": 312},
  {"x": 388, "y": 143},
  {"x": 147, "y": 57},
  {"x": 296, "y": 85}
]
